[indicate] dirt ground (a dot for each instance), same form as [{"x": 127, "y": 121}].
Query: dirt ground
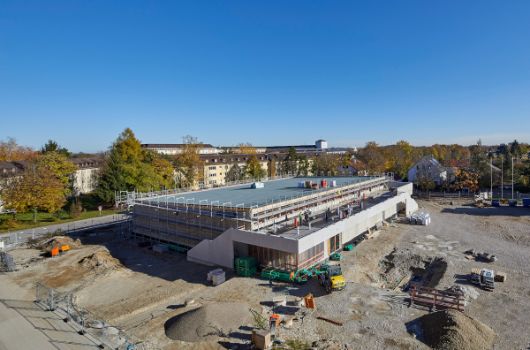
[{"x": 138, "y": 290}]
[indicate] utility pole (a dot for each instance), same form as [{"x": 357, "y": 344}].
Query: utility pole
[
  {"x": 491, "y": 178},
  {"x": 502, "y": 177},
  {"x": 512, "y": 178}
]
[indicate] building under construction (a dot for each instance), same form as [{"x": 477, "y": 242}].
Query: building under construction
[{"x": 288, "y": 223}]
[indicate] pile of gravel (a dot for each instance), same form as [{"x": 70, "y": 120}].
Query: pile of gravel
[
  {"x": 208, "y": 322},
  {"x": 453, "y": 330}
]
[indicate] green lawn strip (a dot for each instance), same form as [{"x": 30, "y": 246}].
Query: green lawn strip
[{"x": 25, "y": 220}]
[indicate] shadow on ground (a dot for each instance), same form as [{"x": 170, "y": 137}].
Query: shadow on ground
[
  {"x": 491, "y": 211},
  {"x": 140, "y": 258}
]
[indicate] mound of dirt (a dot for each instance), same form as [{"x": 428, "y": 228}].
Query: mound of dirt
[
  {"x": 59, "y": 241},
  {"x": 208, "y": 322},
  {"x": 100, "y": 260},
  {"x": 453, "y": 330}
]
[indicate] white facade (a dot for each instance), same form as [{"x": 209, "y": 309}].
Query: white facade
[
  {"x": 321, "y": 144},
  {"x": 429, "y": 168},
  {"x": 85, "y": 180}
]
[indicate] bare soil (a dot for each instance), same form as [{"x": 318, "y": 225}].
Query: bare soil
[{"x": 138, "y": 290}]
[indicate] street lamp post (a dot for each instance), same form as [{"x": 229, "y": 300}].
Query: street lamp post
[{"x": 512, "y": 178}]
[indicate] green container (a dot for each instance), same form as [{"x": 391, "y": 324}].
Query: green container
[
  {"x": 246, "y": 272},
  {"x": 348, "y": 247},
  {"x": 335, "y": 257},
  {"x": 246, "y": 262}
]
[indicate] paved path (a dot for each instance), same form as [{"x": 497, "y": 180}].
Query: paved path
[
  {"x": 23, "y": 235},
  {"x": 24, "y": 325}
]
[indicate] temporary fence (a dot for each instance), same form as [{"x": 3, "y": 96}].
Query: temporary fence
[
  {"x": 11, "y": 240},
  {"x": 443, "y": 194},
  {"x": 101, "y": 333}
]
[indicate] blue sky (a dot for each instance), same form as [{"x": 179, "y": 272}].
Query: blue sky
[{"x": 265, "y": 72}]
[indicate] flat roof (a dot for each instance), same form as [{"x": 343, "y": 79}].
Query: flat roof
[{"x": 276, "y": 190}]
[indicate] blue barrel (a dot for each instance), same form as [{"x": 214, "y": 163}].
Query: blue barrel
[
  {"x": 495, "y": 203},
  {"x": 526, "y": 202}
]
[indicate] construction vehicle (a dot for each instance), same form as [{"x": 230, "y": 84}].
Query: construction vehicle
[
  {"x": 331, "y": 278},
  {"x": 485, "y": 278}
]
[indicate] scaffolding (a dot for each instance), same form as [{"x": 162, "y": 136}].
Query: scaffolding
[{"x": 172, "y": 217}]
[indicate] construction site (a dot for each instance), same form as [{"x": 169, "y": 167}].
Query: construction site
[{"x": 298, "y": 263}]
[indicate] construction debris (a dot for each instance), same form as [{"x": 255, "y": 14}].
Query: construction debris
[
  {"x": 500, "y": 276},
  {"x": 480, "y": 256},
  {"x": 338, "y": 323},
  {"x": 261, "y": 339}
]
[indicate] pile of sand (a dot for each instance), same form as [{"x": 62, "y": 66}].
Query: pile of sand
[
  {"x": 208, "y": 322},
  {"x": 453, "y": 330},
  {"x": 59, "y": 241},
  {"x": 100, "y": 260}
]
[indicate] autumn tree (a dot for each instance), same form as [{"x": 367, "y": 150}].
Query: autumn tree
[
  {"x": 246, "y": 148},
  {"x": 60, "y": 166},
  {"x": 403, "y": 158},
  {"x": 10, "y": 151},
  {"x": 304, "y": 167},
  {"x": 189, "y": 163},
  {"x": 235, "y": 173},
  {"x": 372, "y": 157},
  {"x": 326, "y": 164},
  {"x": 253, "y": 168},
  {"x": 466, "y": 179},
  {"x": 38, "y": 188}
]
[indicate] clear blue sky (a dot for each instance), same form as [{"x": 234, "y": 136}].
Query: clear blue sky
[{"x": 265, "y": 72}]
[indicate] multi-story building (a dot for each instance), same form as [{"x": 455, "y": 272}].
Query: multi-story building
[
  {"x": 178, "y": 148},
  {"x": 85, "y": 178}
]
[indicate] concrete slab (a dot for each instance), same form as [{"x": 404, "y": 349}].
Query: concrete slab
[{"x": 18, "y": 333}]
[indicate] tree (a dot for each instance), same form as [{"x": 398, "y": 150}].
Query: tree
[
  {"x": 235, "y": 173},
  {"x": 128, "y": 167},
  {"x": 289, "y": 163},
  {"x": 372, "y": 156},
  {"x": 10, "y": 151},
  {"x": 121, "y": 169},
  {"x": 466, "y": 179},
  {"x": 59, "y": 165},
  {"x": 37, "y": 189},
  {"x": 403, "y": 158},
  {"x": 53, "y": 146},
  {"x": 303, "y": 165},
  {"x": 253, "y": 168},
  {"x": 326, "y": 164},
  {"x": 189, "y": 162},
  {"x": 246, "y": 148},
  {"x": 424, "y": 182}
]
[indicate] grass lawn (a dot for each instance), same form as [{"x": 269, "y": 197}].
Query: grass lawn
[{"x": 25, "y": 220}]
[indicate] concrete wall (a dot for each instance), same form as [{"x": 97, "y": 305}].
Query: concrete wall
[
  {"x": 220, "y": 251},
  {"x": 359, "y": 223}
]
